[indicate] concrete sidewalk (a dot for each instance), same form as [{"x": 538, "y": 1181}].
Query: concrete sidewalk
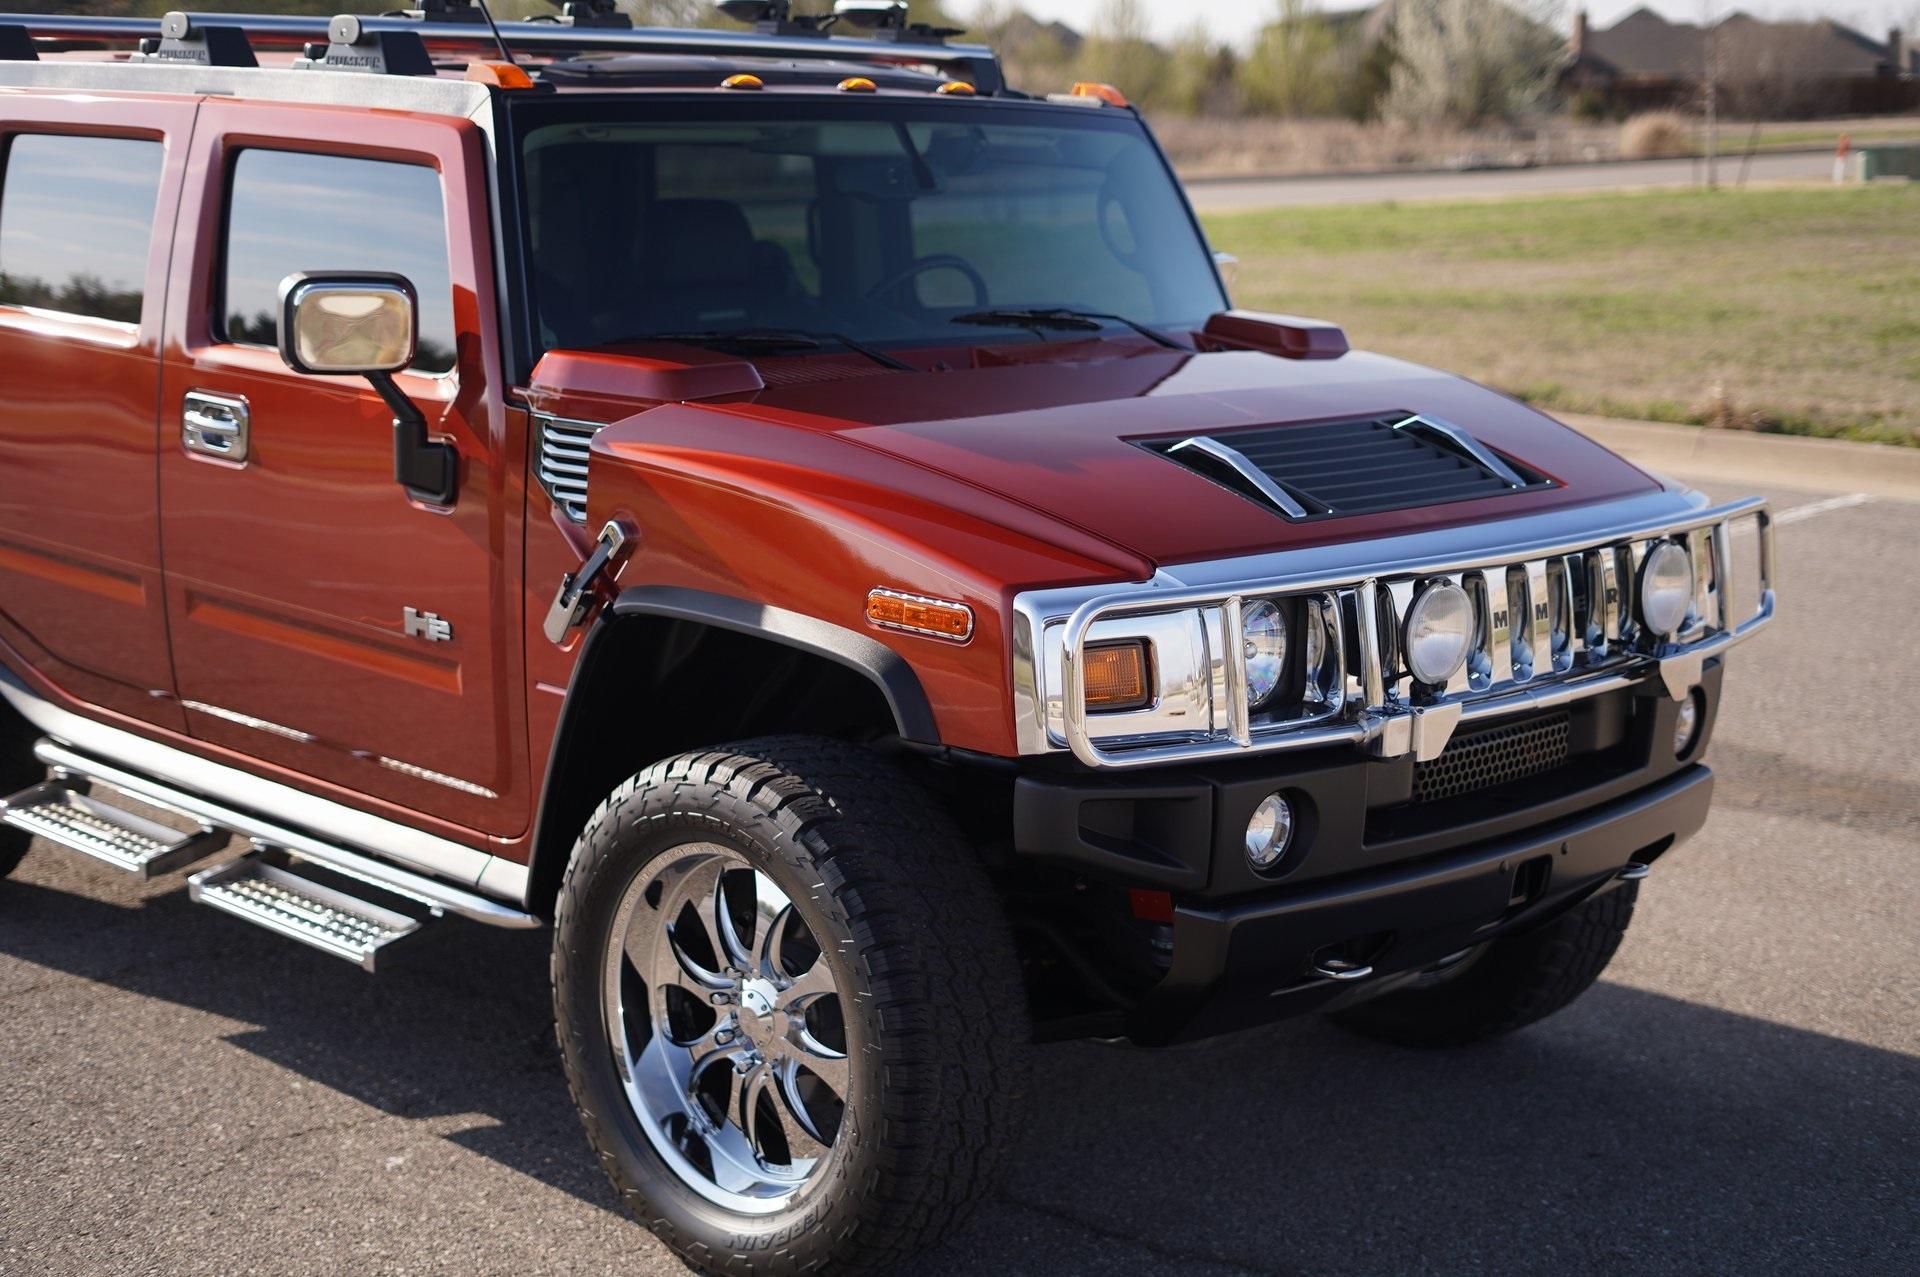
[{"x": 1734, "y": 456}]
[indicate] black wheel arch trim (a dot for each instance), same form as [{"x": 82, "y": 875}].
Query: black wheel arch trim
[
  {"x": 879, "y": 664},
  {"x": 885, "y": 668}
]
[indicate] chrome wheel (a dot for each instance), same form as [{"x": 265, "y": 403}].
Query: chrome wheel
[{"x": 726, "y": 1028}]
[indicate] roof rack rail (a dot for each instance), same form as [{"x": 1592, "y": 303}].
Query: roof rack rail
[{"x": 457, "y": 39}]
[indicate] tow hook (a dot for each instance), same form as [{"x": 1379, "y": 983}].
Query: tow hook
[{"x": 574, "y": 599}]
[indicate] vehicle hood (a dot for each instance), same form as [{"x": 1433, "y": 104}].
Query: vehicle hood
[{"x": 1062, "y": 439}]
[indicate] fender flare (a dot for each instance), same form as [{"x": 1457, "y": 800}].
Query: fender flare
[
  {"x": 885, "y": 668},
  {"x": 879, "y": 664}
]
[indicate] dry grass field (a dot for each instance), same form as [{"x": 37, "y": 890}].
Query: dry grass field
[{"x": 1786, "y": 309}]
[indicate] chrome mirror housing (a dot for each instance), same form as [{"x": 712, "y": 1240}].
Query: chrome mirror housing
[{"x": 342, "y": 324}]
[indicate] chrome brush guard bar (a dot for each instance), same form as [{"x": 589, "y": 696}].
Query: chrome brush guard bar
[{"x": 1554, "y": 600}]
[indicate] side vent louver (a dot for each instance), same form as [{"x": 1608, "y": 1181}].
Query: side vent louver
[
  {"x": 1343, "y": 468},
  {"x": 564, "y": 447}
]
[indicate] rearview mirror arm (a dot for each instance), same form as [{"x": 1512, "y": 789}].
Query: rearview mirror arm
[{"x": 426, "y": 468}]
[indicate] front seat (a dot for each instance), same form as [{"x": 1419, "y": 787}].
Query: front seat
[{"x": 702, "y": 268}]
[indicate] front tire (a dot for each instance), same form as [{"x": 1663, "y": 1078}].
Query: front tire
[
  {"x": 1510, "y": 984},
  {"x": 789, "y": 1007}
]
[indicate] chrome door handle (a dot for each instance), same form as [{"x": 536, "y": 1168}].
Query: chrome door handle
[{"x": 215, "y": 426}]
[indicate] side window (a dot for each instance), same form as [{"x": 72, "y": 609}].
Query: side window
[
  {"x": 290, "y": 211},
  {"x": 76, "y": 223}
]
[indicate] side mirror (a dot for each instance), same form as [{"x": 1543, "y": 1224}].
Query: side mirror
[
  {"x": 335, "y": 323},
  {"x": 348, "y": 324}
]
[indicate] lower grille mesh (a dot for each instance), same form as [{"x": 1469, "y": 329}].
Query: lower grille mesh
[{"x": 1495, "y": 756}]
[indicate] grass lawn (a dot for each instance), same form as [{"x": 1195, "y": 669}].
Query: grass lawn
[{"x": 1781, "y": 309}]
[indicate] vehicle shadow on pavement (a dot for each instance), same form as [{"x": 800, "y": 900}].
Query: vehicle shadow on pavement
[{"x": 1634, "y": 1131}]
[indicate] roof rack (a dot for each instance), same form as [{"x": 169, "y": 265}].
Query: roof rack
[{"x": 441, "y": 31}]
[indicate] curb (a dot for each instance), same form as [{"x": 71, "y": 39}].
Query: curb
[
  {"x": 1454, "y": 170},
  {"x": 1838, "y": 465}
]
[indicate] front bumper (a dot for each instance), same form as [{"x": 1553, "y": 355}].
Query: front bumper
[{"x": 1238, "y": 965}]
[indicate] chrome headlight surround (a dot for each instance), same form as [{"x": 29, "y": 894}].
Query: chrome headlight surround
[{"x": 1555, "y": 621}]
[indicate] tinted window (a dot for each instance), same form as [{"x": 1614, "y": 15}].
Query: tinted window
[
  {"x": 291, "y": 212},
  {"x": 76, "y": 223},
  {"x": 885, "y": 222}
]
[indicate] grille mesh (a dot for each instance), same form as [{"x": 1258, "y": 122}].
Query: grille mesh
[
  {"x": 1492, "y": 757},
  {"x": 563, "y": 463},
  {"x": 1343, "y": 468}
]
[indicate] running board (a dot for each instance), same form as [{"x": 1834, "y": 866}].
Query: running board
[
  {"x": 65, "y": 811},
  {"x": 74, "y": 769},
  {"x": 273, "y": 889}
]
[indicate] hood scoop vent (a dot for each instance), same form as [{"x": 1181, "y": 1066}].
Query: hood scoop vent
[{"x": 1344, "y": 468}]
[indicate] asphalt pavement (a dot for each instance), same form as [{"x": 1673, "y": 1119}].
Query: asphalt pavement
[
  {"x": 1235, "y": 194},
  {"x": 184, "y": 1094}
]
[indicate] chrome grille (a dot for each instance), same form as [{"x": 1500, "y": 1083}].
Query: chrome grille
[
  {"x": 1494, "y": 756},
  {"x": 564, "y": 447},
  {"x": 1556, "y": 621}
]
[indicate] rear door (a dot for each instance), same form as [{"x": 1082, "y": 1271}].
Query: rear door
[
  {"x": 322, "y": 620},
  {"x": 84, "y": 183}
]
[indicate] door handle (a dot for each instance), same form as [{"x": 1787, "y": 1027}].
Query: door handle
[{"x": 215, "y": 426}]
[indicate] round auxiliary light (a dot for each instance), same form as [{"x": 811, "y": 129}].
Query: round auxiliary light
[
  {"x": 1269, "y": 832},
  {"x": 1263, "y": 632},
  {"x": 1686, "y": 726},
  {"x": 1666, "y": 587},
  {"x": 1439, "y": 633}
]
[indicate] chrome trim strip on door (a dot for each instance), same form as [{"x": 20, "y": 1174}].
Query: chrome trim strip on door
[{"x": 322, "y": 818}]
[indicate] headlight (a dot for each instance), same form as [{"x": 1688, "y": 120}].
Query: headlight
[
  {"x": 1666, "y": 588},
  {"x": 1263, "y": 630},
  {"x": 1439, "y": 633}
]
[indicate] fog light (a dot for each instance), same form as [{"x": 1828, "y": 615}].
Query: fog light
[
  {"x": 1439, "y": 636},
  {"x": 1686, "y": 725},
  {"x": 1269, "y": 832},
  {"x": 1666, "y": 588}
]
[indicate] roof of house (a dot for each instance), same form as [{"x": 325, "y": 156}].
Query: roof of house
[{"x": 1644, "y": 44}]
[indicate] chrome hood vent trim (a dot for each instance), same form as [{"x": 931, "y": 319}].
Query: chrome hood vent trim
[{"x": 1368, "y": 466}]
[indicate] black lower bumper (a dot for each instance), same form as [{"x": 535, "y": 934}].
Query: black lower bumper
[{"x": 1243, "y": 964}]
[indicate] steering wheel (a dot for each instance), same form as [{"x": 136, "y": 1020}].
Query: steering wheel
[{"x": 939, "y": 261}]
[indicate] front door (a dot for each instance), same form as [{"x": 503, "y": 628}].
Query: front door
[
  {"x": 83, "y": 183},
  {"x": 322, "y": 620}
]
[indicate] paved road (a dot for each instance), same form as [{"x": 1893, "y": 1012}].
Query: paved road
[
  {"x": 183, "y": 1094},
  {"x": 1228, "y": 196}
]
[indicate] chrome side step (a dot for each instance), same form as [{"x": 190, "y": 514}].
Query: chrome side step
[
  {"x": 268, "y": 888},
  {"x": 266, "y": 833},
  {"x": 65, "y": 811}
]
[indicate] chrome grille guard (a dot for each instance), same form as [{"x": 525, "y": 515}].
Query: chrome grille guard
[{"x": 1581, "y": 565}]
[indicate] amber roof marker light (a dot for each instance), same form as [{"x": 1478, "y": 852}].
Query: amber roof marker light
[
  {"x": 743, "y": 83},
  {"x": 919, "y": 614}
]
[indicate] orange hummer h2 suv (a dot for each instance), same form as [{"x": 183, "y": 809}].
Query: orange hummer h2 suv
[{"x": 804, "y": 521}]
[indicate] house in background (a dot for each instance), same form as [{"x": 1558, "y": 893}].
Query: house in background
[{"x": 1760, "y": 69}]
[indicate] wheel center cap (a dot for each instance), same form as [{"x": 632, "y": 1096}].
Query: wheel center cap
[{"x": 757, "y": 1011}]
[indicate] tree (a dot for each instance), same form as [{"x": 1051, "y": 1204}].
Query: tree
[
  {"x": 1291, "y": 70},
  {"x": 1120, "y": 51},
  {"x": 1470, "y": 62},
  {"x": 1201, "y": 75}
]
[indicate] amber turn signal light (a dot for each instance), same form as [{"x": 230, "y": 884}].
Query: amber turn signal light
[
  {"x": 1117, "y": 676},
  {"x": 1105, "y": 92},
  {"x": 917, "y": 614},
  {"x": 501, "y": 75}
]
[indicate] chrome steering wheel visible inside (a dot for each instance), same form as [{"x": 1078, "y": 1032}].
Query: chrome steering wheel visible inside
[{"x": 726, "y": 1027}]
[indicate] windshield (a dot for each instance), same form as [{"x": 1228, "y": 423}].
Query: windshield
[{"x": 879, "y": 222}]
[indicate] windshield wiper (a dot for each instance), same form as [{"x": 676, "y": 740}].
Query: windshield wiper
[
  {"x": 1061, "y": 319},
  {"x": 774, "y": 340}
]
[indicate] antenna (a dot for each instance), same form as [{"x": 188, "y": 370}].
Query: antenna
[{"x": 456, "y": 10}]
